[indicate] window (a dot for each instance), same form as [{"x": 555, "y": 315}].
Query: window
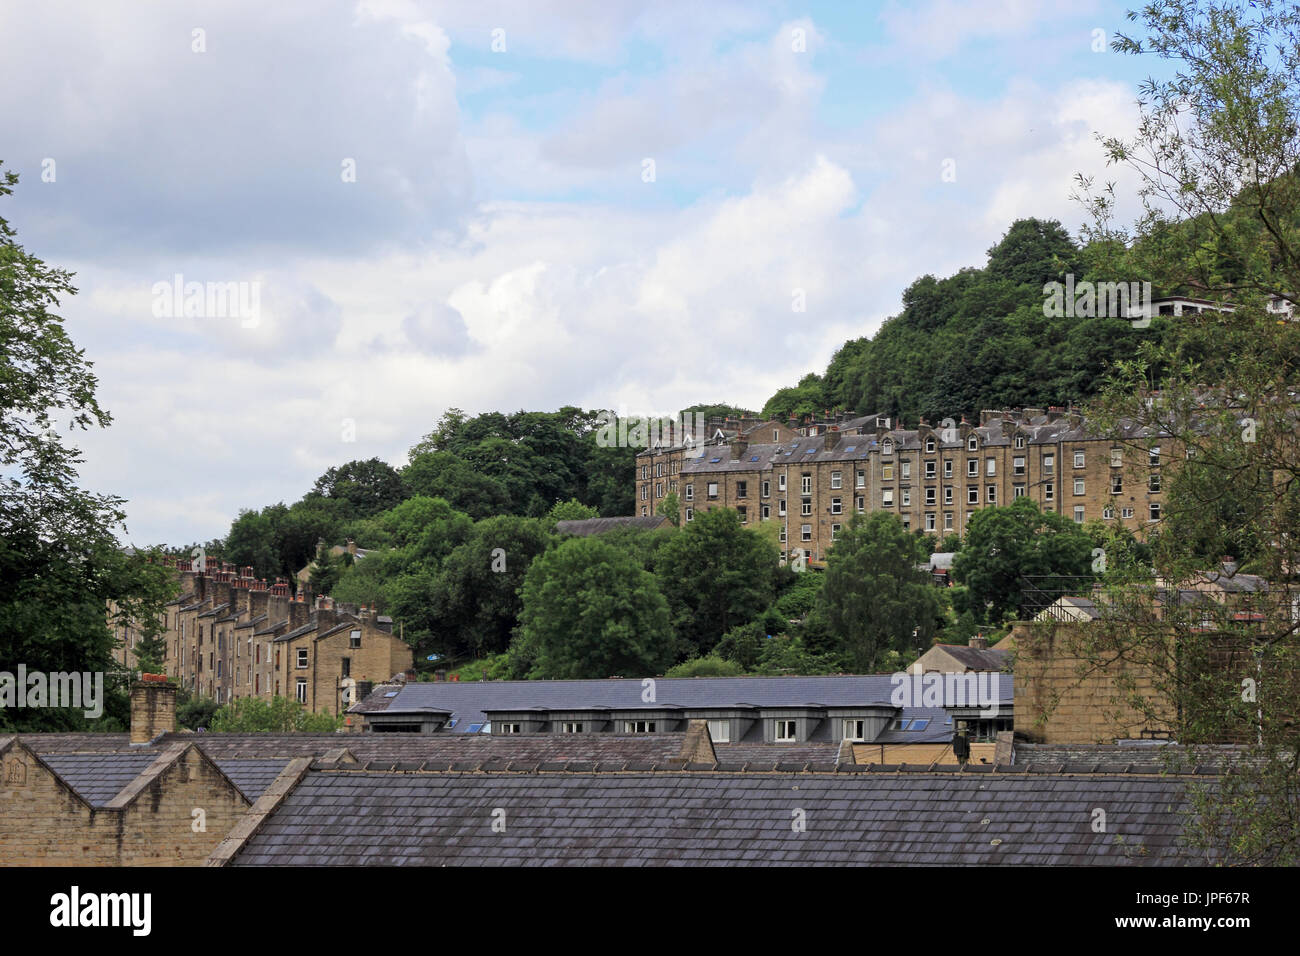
[
  {"x": 906, "y": 471},
  {"x": 1126, "y": 512},
  {"x": 767, "y": 489},
  {"x": 1155, "y": 456},
  {"x": 947, "y": 468},
  {"x": 742, "y": 489},
  {"x": 1018, "y": 466},
  {"x": 509, "y": 729},
  {"x": 1117, "y": 457},
  {"x": 806, "y": 532},
  {"x": 990, "y": 466},
  {"x": 929, "y": 522},
  {"x": 835, "y": 532},
  {"x": 743, "y": 512},
  {"x": 302, "y": 690},
  {"x": 690, "y": 514},
  {"x": 837, "y": 507},
  {"x": 930, "y": 467},
  {"x": 855, "y": 729},
  {"x": 1153, "y": 484},
  {"x": 1048, "y": 491},
  {"x": 1108, "y": 512},
  {"x": 713, "y": 490},
  {"x": 645, "y": 493},
  {"x": 907, "y": 496},
  {"x": 354, "y": 639},
  {"x": 1020, "y": 441},
  {"x": 720, "y": 731},
  {"x": 1116, "y": 484},
  {"x": 639, "y": 726},
  {"x": 947, "y": 494},
  {"x": 1049, "y": 464},
  {"x": 972, "y": 444},
  {"x": 780, "y": 482},
  {"x": 1155, "y": 511},
  {"x": 785, "y": 730},
  {"x": 690, "y": 492},
  {"x": 302, "y": 657},
  {"x": 861, "y": 479},
  {"x": 805, "y": 507},
  {"x": 806, "y": 483},
  {"x": 887, "y": 446},
  {"x": 947, "y": 521},
  {"x": 972, "y": 467},
  {"x": 836, "y": 481},
  {"x": 767, "y": 512},
  {"x": 1078, "y": 459},
  {"x": 887, "y": 498},
  {"x": 347, "y": 667},
  {"x": 1078, "y": 486},
  {"x": 1078, "y": 514},
  {"x": 780, "y": 507},
  {"x": 886, "y": 472},
  {"x": 1017, "y": 491},
  {"x": 929, "y": 496},
  {"x": 992, "y": 494},
  {"x": 783, "y": 536},
  {"x": 571, "y": 727},
  {"x": 973, "y": 494}
]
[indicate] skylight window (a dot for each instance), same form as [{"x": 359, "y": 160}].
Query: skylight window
[
  {"x": 391, "y": 693},
  {"x": 850, "y": 448},
  {"x": 475, "y": 728},
  {"x": 901, "y": 723},
  {"x": 920, "y": 724},
  {"x": 753, "y": 458},
  {"x": 452, "y": 723},
  {"x": 714, "y": 461}
]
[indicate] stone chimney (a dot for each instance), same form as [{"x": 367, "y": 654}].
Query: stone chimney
[
  {"x": 698, "y": 745},
  {"x": 738, "y": 448},
  {"x": 153, "y": 708},
  {"x": 979, "y": 642},
  {"x": 299, "y": 613},
  {"x": 831, "y": 438},
  {"x": 257, "y": 601}
]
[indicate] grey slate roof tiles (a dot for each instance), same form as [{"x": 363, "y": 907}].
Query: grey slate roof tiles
[
  {"x": 99, "y": 777},
  {"x": 338, "y": 818}
]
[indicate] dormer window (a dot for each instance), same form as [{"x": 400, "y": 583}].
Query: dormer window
[
  {"x": 785, "y": 731},
  {"x": 929, "y": 446},
  {"x": 973, "y": 443},
  {"x": 887, "y": 447},
  {"x": 1020, "y": 441}
]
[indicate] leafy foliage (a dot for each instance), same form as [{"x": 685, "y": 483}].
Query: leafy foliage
[{"x": 279, "y": 715}]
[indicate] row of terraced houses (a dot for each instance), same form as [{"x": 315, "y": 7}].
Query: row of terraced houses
[{"x": 812, "y": 477}]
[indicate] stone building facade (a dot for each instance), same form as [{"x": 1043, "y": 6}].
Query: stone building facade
[
  {"x": 816, "y": 476},
  {"x": 230, "y": 635}
]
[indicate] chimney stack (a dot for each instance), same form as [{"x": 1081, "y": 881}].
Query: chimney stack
[
  {"x": 979, "y": 642},
  {"x": 153, "y": 708}
]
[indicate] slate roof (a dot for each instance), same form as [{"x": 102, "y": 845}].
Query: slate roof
[
  {"x": 470, "y": 700},
  {"x": 769, "y": 754},
  {"x": 1151, "y": 757},
  {"x": 862, "y": 818},
  {"x": 252, "y": 776},
  {"x": 976, "y": 659},
  {"x": 98, "y": 777},
  {"x": 590, "y": 526}
]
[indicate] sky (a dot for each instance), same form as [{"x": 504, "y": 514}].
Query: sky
[{"x": 509, "y": 205}]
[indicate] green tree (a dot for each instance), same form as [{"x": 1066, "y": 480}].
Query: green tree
[
  {"x": 1217, "y": 153},
  {"x": 60, "y": 562},
  {"x": 1005, "y": 545},
  {"x": 590, "y": 610},
  {"x": 442, "y": 474},
  {"x": 251, "y": 542},
  {"x": 715, "y": 574},
  {"x": 671, "y": 508},
  {"x": 361, "y": 488},
  {"x": 571, "y": 510},
  {"x": 279, "y": 715},
  {"x": 874, "y": 599}
]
